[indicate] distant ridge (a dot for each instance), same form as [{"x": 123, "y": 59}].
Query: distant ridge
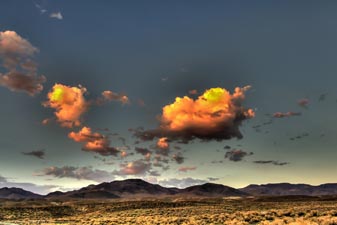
[
  {"x": 282, "y": 189},
  {"x": 137, "y": 188}
]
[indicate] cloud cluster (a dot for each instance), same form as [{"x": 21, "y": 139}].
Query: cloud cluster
[
  {"x": 237, "y": 155},
  {"x": 286, "y": 114},
  {"x": 16, "y": 55},
  {"x": 38, "y": 154},
  {"x": 69, "y": 104},
  {"x": 80, "y": 173},
  {"x": 215, "y": 115},
  {"x": 94, "y": 142}
]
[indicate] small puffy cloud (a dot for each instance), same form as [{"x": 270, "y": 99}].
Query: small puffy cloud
[
  {"x": 193, "y": 92},
  {"x": 93, "y": 142},
  {"x": 138, "y": 167},
  {"x": 272, "y": 162},
  {"x": 286, "y": 114},
  {"x": 79, "y": 173},
  {"x": 304, "y": 102},
  {"x": 181, "y": 183},
  {"x": 237, "y": 155},
  {"x": 178, "y": 158},
  {"x": 108, "y": 96},
  {"x": 56, "y": 15},
  {"x": 69, "y": 104},
  {"x": 16, "y": 55},
  {"x": 162, "y": 143},
  {"x": 214, "y": 115},
  {"x": 38, "y": 154},
  {"x": 187, "y": 168}
]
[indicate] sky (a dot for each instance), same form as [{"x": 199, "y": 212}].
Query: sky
[{"x": 173, "y": 92}]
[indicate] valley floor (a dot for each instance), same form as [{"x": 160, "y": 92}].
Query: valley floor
[{"x": 263, "y": 211}]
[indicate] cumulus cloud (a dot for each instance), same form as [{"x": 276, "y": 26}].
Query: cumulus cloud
[
  {"x": 273, "y": 162},
  {"x": 286, "y": 114},
  {"x": 79, "y": 173},
  {"x": 138, "y": 167},
  {"x": 16, "y": 55},
  {"x": 215, "y": 115},
  {"x": 38, "y": 154},
  {"x": 181, "y": 183},
  {"x": 69, "y": 104},
  {"x": 56, "y": 15},
  {"x": 162, "y": 143},
  {"x": 94, "y": 142},
  {"x": 187, "y": 168},
  {"x": 237, "y": 155}
]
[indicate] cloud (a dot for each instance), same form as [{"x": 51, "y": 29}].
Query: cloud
[
  {"x": 79, "y": 173},
  {"x": 16, "y": 55},
  {"x": 213, "y": 178},
  {"x": 181, "y": 183},
  {"x": 237, "y": 155},
  {"x": 143, "y": 151},
  {"x": 193, "y": 92},
  {"x": 162, "y": 143},
  {"x": 215, "y": 115},
  {"x": 273, "y": 162},
  {"x": 178, "y": 158},
  {"x": 108, "y": 96},
  {"x": 94, "y": 142},
  {"x": 69, "y": 104},
  {"x": 35, "y": 188},
  {"x": 56, "y": 15},
  {"x": 38, "y": 154},
  {"x": 287, "y": 114},
  {"x": 138, "y": 167},
  {"x": 187, "y": 168},
  {"x": 304, "y": 102}
]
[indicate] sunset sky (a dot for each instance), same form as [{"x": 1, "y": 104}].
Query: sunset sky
[{"x": 173, "y": 92}]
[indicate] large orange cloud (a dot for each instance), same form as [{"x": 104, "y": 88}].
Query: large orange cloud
[
  {"x": 69, "y": 104},
  {"x": 216, "y": 114},
  {"x": 93, "y": 142},
  {"x": 16, "y": 54}
]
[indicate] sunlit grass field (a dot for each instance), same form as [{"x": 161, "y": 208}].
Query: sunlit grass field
[{"x": 247, "y": 211}]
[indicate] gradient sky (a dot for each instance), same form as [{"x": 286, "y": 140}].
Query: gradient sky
[{"x": 155, "y": 51}]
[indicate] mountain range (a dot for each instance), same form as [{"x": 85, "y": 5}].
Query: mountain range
[{"x": 137, "y": 188}]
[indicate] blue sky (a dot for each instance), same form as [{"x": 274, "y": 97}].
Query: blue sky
[{"x": 155, "y": 51}]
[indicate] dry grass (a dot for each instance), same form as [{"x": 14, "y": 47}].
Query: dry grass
[{"x": 169, "y": 211}]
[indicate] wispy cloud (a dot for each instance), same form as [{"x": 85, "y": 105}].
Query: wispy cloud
[
  {"x": 38, "y": 154},
  {"x": 56, "y": 15}
]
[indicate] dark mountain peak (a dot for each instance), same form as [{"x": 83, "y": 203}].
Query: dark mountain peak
[
  {"x": 211, "y": 189},
  {"x": 17, "y": 193}
]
